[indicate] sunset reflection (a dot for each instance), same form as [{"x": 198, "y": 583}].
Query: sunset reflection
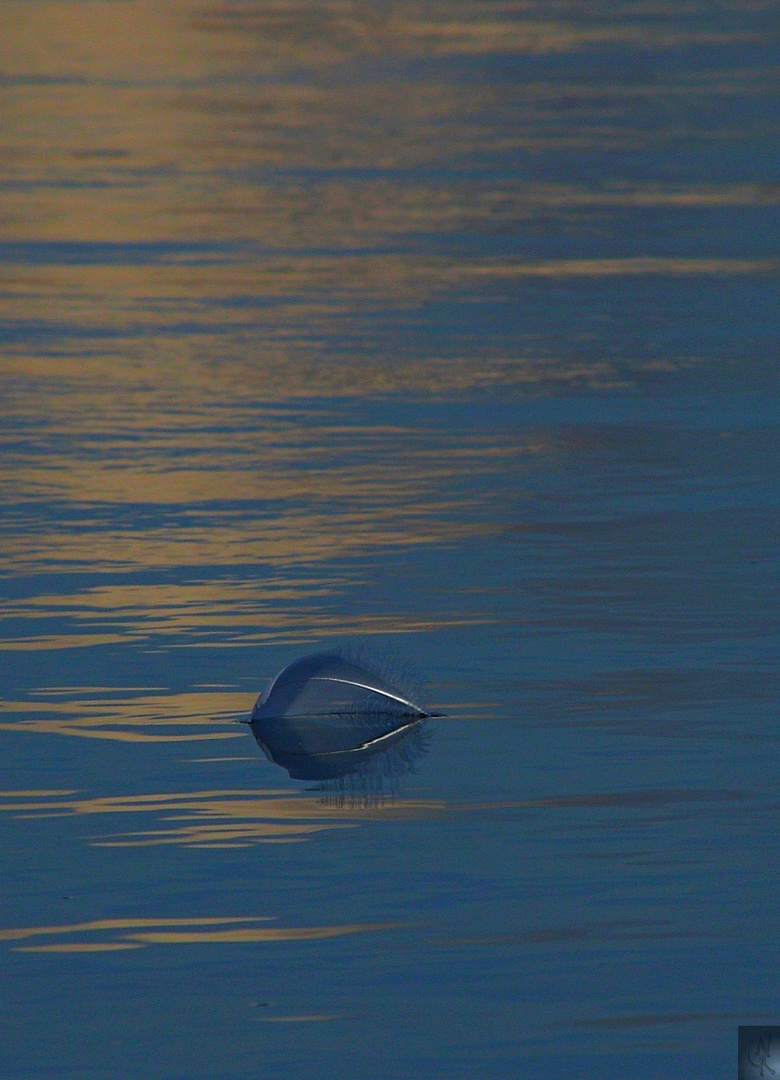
[
  {"x": 176, "y": 932},
  {"x": 221, "y": 819},
  {"x": 128, "y": 719},
  {"x": 200, "y": 212}
]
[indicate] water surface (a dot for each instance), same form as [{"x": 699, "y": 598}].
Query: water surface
[{"x": 446, "y": 331}]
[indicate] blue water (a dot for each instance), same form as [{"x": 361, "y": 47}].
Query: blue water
[{"x": 445, "y": 333}]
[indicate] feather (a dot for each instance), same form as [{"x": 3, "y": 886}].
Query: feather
[
  {"x": 323, "y": 715},
  {"x": 326, "y": 683}
]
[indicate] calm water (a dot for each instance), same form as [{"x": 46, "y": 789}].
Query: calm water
[{"x": 444, "y": 330}]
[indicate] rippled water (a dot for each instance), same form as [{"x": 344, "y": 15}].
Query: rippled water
[{"x": 445, "y": 330}]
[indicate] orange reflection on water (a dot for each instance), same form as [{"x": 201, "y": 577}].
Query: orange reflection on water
[
  {"x": 177, "y": 933},
  {"x": 304, "y": 494},
  {"x": 149, "y": 38},
  {"x": 139, "y": 121},
  {"x": 123, "y": 720},
  {"x": 241, "y": 818},
  {"x": 674, "y": 267},
  {"x": 117, "y": 924},
  {"x": 297, "y": 626},
  {"x": 58, "y": 641},
  {"x": 290, "y": 295},
  {"x": 343, "y": 213},
  {"x": 227, "y": 818}
]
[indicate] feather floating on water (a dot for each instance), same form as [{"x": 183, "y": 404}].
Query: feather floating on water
[
  {"x": 324, "y": 715},
  {"x": 326, "y": 683}
]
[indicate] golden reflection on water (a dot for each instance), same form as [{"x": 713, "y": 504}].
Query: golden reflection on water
[
  {"x": 177, "y": 932},
  {"x": 199, "y": 198},
  {"x": 293, "y": 627},
  {"x": 286, "y": 295},
  {"x": 342, "y": 213},
  {"x": 224, "y": 818},
  {"x": 161, "y": 124},
  {"x": 161, "y": 85},
  {"x": 126, "y": 719},
  {"x": 135, "y": 113},
  {"x": 216, "y": 819}
]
